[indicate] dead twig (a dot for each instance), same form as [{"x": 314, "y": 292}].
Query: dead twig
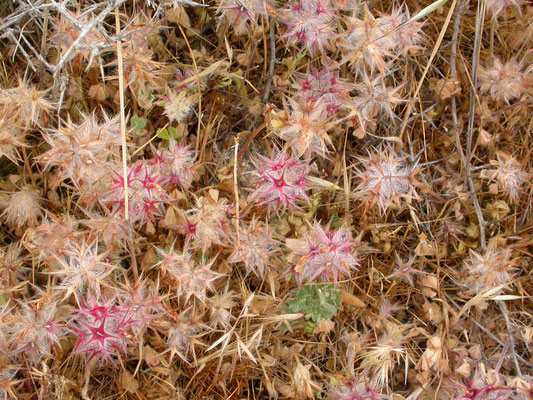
[
  {"x": 86, "y": 30},
  {"x": 236, "y": 192},
  {"x": 270, "y": 76},
  {"x": 411, "y": 103},
  {"x": 122, "y": 118},
  {"x": 249, "y": 140}
]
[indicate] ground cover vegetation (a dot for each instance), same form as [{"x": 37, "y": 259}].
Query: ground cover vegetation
[{"x": 259, "y": 199}]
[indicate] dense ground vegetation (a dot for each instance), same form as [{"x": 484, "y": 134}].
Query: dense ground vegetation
[{"x": 254, "y": 199}]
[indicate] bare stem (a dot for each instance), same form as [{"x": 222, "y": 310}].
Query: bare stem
[{"x": 236, "y": 190}]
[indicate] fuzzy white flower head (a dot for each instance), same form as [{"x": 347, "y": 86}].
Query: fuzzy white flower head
[
  {"x": 386, "y": 179},
  {"x": 23, "y": 207},
  {"x": 509, "y": 175},
  {"x": 178, "y": 105}
]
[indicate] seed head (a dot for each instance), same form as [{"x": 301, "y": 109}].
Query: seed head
[
  {"x": 381, "y": 358},
  {"x": 406, "y": 38},
  {"x": 102, "y": 329},
  {"x": 146, "y": 195},
  {"x": 256, "y": 248},
  {"x": 220, "y": 306},
  {"x": 366, "y": 46},
  {"x": 179, "y": 105},
  {"x": 243, "y": 14},
  {"x": 374, "y": 98},
  {"x": 191, "y": 278},
  {"x": 23, "y": 208},
  {"x": 503, "y": 81},
  {"x": 51, "y": 239},
  {"x": 36, "y": 330},
  {"x": 387, "y": 309},
  {"x": 479, "y": 388},
  {"x": 140, "y": 31},
  {"x": 509, "y": 175},
  {"x": 83, "y": 152},
  {"x": 309, "y": 22},
  {"x": 12, "y": 138},
  {"x": 449, "y": 230},
  {"x": 306, "y": 128},
  {"x": 324, "y": 86},
  {"x": 405, "y": 270},
  {"x": 175, "y": 164},
  {"x": 323, "y": 253},
  {"x": 303, "y": 384},
  {"x": 282, "y": 182},
  {"x": 205, "y": 223},
  {"x": 141, "y": 73},
  {"x": 82, "y": 270},
  {"x": 113, "y": 230},
  {"x": 386, "y": 179},
  {"x": 143, "y": 302},
  {"x": 485, "y": 271},
  {"x": 26, "y": 104},
  {"x": 183, "y": 333},
  {"x": 360, "y": 388}
]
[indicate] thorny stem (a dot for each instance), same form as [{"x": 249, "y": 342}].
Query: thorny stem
[
  {"x": 494, "y": 337},
  {"x": 14, "y": 39},
  {"x": 505, "y": 313},
  {"x": 480, "y": 17},
  {"x": 453, "y": 73},
  {"x": 86, "y": 30},
  {"x": 502, "y": 357},
  {"x": 522, "y": 221},
  {"x": 489, "y": 333},
  {"x": 38, "y": 9},
  {"x": 43, "y": 45}
]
